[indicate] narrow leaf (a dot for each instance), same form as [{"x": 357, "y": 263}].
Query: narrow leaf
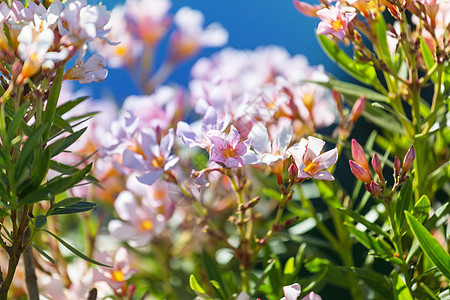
[
  {"x": 63, "y": 143},
  {"x": 213, "y": 272},
  {"x": 75, "y": 251},
  {"x": 360, "y": 219},
  {"x": 401, "y": 291},
  {"x": 42, "y": 252},
  {"x": 362, "y": 72},
  {"x": 430, "y": 245},
  {"x": 79, "y": 207}
]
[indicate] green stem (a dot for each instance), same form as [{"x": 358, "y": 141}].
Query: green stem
[{"x": 244, "y": 258}]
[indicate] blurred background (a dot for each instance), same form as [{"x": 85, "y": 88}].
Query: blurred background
[{"x": 250, "y": 24}]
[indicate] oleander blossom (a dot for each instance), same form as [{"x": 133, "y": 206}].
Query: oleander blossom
[
  {"x": 190, "y": 36},
  {"x": 292, "y": 292},
  {"x": 120, "y": 272},
  {"x": 272, "y": 153},
  {"x": 138, "y": 223},
  {"x": 229, "y": 150},
  {"x": 335, "y": 20},
  {"x": 210, "y": 122},
  {"x": 150, "y": 158},
  {"x": 309, "y": 161}
]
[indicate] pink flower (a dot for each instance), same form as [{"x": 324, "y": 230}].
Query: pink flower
[
  {"x": 151, "y": 158},
  {"x": 335, "y": 20},
  {"x": 139, "y": 223},
  {"x": 130, "y": 48},
  {"x": 191, "y": 37},
  {"x": 147, "y": 20},
  {"x": 310, "y": 163},
  {"x": 80, "y": 22},
  {"x": 306, "y": 8},
  {"x": 292, "y": 292},
  {"x": 121, "y": 271},
  {"x": 210, "y": 122},
  {"x": 229, "y": 150},
  {"x": 91, "y": 70}
]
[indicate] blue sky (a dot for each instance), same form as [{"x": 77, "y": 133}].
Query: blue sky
[{"x": 250, "y": 23}]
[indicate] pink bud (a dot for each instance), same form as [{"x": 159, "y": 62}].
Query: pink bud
[
  {"x": 409, "y": 159},
  {"x": 359, "y": 172},
  {"x": 375, "y": 189},
  {"x": 293, "y": 171},
  {"x": 376, "y": 164},
  {"x": 338, "y": 99},
  {"x": 359, "y": 156},
  {"x": 396, "y": 167},
  {"x": 306, "y": 8},
  {"x": 358, "y": 108}
]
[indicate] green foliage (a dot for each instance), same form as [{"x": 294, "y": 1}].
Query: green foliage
[{"x": 429, "y": 245}]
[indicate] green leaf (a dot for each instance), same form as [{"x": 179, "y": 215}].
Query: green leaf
[
  {"x": 213, "y": 273},
  {"x": 27, "y": 150},
  {"x": 67, "y": 106},
  {"x": 37, "y": 176},
  {"x": 63, "y": 143},
  {"x": 271, "y": 194},
  {"x": 61, "y": 124},
  {"x": 289, "y": 267},
  {"x": 429, "y": 245},
  {"x": 67, "y": 202},
  {"x": 380, "y": 28},
  {"x": 79, "y": 207},
  {"x": 403, "y": 202},
  {"x": 40, "y": 221},
  {"x": 376, "y": 281},
  {"x": 75, "y": 251},
  {"x": 362, "y": 72},
  {"x": 401, "y": 291},
  {"x": 333, "y": 274},
  {"x": 422, "y": 208},
  {"x": 42, "y": 252},
  {"x": 52, "y": 101},
  {"x": 381, "y": 248},
  {"x": 195, "y": 286},
  {"x": 275, "y": 276},
  {"x": 4, "y": 213},
  {"x": 360, "y": 219},
  {"x": 264, "y": 275},
  {"x": 427, "y": 57},
  {"x": 354, "y": 90},
  {"x": 18, "y": 118},
  {"x": 328, "y": 195},
  {"x": 56, "y": 186}
]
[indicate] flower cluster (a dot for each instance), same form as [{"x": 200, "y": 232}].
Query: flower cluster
[
  {"x": 44, "y": 38},
  {"x": 360, "y": 168}
]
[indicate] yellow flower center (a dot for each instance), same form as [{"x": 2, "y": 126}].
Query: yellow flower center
[
  {"x": 146, "y": 225},
  {"x": 229, "y": 152},
  {"x": 118, "y": 276},
  {"x": 338, "y": 24},
  {"x": 121, "y": 50},
  {"x": 311, "y": 168},
  {"x": 158, "y": 161},
  {"x": 308, "y": 100},
  {"x": 137, "y": 149}
]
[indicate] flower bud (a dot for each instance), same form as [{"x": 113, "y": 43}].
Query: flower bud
[
  {"x": 338, "y": 99},
  {"x": 293, "y": 171},
  {"x": 396, "y": 167},
  {"x": 358, "y": 108},
  {"x": 306, "y": 8},
  {"x": 376, "y": 164},
  {"x": 359, "y": 172},
  {"x": 409, "y": 159},
  {"x": 359, "y": 156},
  {"x": 374, "y": 189}
]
